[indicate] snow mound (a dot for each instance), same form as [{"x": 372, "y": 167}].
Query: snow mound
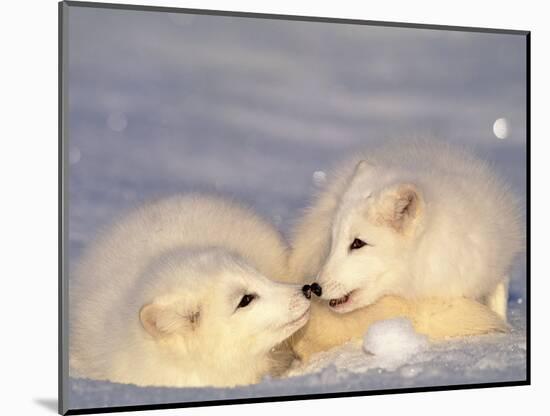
[
  {"x": 479, "y": 359},
  {"x": 394, "y": 341}
]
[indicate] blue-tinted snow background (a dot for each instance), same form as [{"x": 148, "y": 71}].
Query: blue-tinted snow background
[{"x": 258, "y": 109}]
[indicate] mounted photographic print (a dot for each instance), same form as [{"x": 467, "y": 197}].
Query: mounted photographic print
[{"x": 263, "y": 207}]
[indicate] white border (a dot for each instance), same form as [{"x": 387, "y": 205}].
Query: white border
[{"x": 28, "y": 219}]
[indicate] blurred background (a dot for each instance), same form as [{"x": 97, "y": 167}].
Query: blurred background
[{"x": 259, "y": 109}]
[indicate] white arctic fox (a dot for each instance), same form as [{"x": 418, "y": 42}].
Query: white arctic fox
[
  {"x": 417, "y": 219},
  {"x": 419, "y": 229},
  {"x": 177, "y": 294}
]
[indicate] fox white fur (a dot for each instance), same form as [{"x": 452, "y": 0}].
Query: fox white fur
[
  {"x": 441, "y": 230},
  {"x": 438, "y": 318},
  {"x": 155, "y": 298}
]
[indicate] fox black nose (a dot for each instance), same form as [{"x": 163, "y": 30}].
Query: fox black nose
[
  {"x": 315, "y": 288},
  {"x": 306, "y": 290}
]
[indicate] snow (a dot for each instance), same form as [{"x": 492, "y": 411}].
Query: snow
[
  {"x": 480, "y": 359},
  {"x": 394, "y": 341},
  {"x": 117, "y": 121},
  {"x": 259, "y": 110},
  {"x": 394, "y": 349},
  {"x": 501, "y": 128},
  {"x": 319, "y": 178},
  {"x": 74, "y": 155}
]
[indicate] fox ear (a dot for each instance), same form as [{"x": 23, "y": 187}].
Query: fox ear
[
  {"x": 159, "y": 320},
  {"x": 400, "y": 206}
]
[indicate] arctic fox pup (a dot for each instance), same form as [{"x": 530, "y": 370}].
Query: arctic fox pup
[
  {"x": 416, "y": 219},
  {"x": 422, "y": 230},
  {"x": 177, "y": 294}
]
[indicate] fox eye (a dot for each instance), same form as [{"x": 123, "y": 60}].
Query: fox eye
[
  {"x": 245, "y": 301},
  {"x": 357, "y": 244}
]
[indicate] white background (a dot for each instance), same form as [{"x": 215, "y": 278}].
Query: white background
[{"x": 28, "y": 215}]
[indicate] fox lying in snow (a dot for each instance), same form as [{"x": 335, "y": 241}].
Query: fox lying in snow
[
  {"x": 178, "y": 293},
  {"x": 419, "y": 229}
]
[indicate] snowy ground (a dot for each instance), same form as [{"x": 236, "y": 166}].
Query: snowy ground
[
  {"x": 483, "y": 359},
  {"x": 258, "y": 110}
]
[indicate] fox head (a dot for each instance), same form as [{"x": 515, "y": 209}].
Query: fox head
[
  {"x": 373, "y": 236},
  {"x": 219, "y": 305}
]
